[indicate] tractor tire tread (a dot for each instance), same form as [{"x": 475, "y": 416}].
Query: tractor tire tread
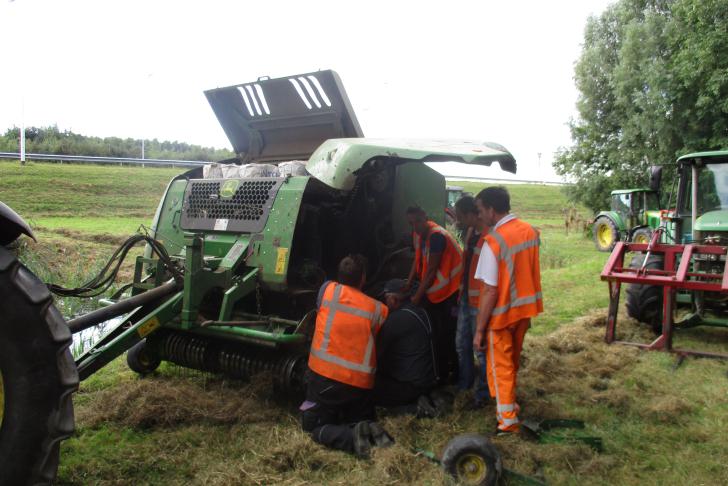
[{"x": 60, "y": 420}]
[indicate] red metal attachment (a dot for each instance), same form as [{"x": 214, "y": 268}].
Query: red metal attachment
[{"x": 678, "y": 273}]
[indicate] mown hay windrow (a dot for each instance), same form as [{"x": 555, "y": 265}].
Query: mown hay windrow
[{"x": 169, "y": 401}]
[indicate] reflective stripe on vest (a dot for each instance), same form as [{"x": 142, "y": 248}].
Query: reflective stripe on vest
[
  {"x": 367, "y": 366},
  {"x": 443, "y": 285},
  {"x": 507, "y": 256}
]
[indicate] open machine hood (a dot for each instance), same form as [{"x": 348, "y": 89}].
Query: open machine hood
[{"x": 272, "y": 120}]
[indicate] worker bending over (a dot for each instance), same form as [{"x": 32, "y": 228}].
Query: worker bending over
[
  {"x": 466, "y": 213},
  {"x": 405, "y": 351},
  {"x": 438, "y": 265},
  {"x": 509, "y": 269},
  {"x": 338, "y": 409}
]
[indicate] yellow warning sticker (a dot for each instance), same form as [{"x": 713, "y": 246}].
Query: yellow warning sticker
[
  {"x": 148, "y": 326},
  {"x": 281, "y": 260}
]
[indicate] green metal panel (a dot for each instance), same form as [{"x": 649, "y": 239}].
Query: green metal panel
[
  {"x": 166, "y": 225},
  {"x": 417, "y": 185},
  {"x": 271, "y": 250},
  {"x": 336, "y": 161}
]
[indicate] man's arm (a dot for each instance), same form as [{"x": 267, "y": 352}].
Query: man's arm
[
  {"x": 411, "y": 277},
  {"x": 488, "y": 298},
  {"x": 432, "y": 265}
]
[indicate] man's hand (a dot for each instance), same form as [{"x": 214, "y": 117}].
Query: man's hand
[
  {"x": 478, "y": 341},
  {"x": 416, "y": 298}
]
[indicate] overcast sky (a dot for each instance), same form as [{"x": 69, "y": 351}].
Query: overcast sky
[{"x": 485, "y": 70}]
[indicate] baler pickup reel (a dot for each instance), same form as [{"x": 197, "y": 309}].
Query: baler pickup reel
[{"x": 682, "y": 273}]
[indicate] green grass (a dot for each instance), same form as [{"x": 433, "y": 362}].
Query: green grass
[{"x": 660, "y": 424}]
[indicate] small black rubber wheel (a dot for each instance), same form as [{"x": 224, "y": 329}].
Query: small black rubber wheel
[
  {"x": 142, "y": 359},
  {"x": 37, "y": 377},
  {"x": 644, "y": 302},
  {"x": 642, "y": 235},
  {"x": 605, "y": 233},
  {"x": 472, "y": 460}
]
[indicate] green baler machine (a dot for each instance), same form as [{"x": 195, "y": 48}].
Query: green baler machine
[{"x": 238, "y": 250}]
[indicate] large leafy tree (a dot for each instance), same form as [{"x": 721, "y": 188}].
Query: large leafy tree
[{"x": 653, "y": 83}]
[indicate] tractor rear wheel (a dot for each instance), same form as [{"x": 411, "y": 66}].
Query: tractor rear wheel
[
  {"x": 606, "y": 234},
  {"x": 644, "y": 302},
  {"x": 37, "y": 377}
]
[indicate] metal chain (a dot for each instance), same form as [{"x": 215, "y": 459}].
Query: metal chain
[{"x": 258, "y": 298}]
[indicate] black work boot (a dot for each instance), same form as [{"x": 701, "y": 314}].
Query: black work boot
[
  {"x": 380, "y": 437},
  {"x": 362, "y": 436}
]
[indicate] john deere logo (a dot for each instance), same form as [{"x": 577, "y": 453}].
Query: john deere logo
[{"x": 228, "y": 188}]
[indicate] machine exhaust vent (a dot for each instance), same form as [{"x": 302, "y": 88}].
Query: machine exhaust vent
[{"x": 232, "y": 205}]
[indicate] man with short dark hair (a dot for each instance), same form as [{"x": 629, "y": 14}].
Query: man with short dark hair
[
  {"x": 405, "y": 350},
  {"x": 438, "y": 266},
  {"x": 511, "y": 296},
  {"x": 338, "y": 411},
  {"x": 466, "y": 214}
]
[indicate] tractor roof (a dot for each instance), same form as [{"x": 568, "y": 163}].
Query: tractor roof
[
  {"x": 715, "y": 156},
  {"x": 336, "y": 162},
  {"x": 630, "y": 191}
]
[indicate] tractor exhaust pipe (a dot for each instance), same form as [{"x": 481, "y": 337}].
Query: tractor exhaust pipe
[{"x": 122, "y": 307}]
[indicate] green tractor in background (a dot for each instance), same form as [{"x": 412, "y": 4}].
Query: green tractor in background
[{"x": 633, "y": 216}]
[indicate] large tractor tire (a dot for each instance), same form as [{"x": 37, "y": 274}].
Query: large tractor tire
[
  {"x": 37, "y": 377},
  {"x": 644, "y": 302},
  {"x": 605, "y": 233}
]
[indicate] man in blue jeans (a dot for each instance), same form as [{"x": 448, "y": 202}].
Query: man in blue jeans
[{"x": 466, "y": 213}]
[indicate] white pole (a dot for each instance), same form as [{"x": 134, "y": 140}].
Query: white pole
[
  {"x": 22, "y": 131},
  {"x": 142, "y": 148}
]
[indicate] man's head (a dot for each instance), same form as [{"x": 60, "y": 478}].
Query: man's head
[
  {"x": 353, "y": 271},
  {"x": 466, "y": 212},
  {"x": 493, "y": 203},
  {"x": 394, "y": 295},
  {"x": 417, "y": 219}
]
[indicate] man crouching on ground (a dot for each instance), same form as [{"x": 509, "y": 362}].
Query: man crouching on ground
[{"x": 342, "y": 362}]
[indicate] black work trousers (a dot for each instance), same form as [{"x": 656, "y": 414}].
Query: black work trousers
[
  {"x": 444, "y": 320},
  {"x": 389, "y": 392},
  {"x": 332, "y": 409}
]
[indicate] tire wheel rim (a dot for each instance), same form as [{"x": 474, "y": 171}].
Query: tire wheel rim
[
  {"x": 604, "y": 235},
  {"x": 471, "y": 469},
  {"x": 641, "y": 239}
]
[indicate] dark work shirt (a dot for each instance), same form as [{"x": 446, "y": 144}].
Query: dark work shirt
[
  {"x": 404, "y": 347},
  {"x": 437, "y": 243},
  {"x": 469, "y": 248}
]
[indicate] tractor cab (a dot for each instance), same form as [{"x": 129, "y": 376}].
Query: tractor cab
[{"x": 702, "y": 199}]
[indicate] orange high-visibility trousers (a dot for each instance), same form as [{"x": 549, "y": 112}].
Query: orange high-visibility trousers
[{"x": 503, "y": 351}]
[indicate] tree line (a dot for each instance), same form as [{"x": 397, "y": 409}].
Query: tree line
[
  {"x": 653, "y": 85},
  {"x": 51, "y": 140}
]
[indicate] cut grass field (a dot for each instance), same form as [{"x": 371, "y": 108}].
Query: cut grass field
[{"x": 659, "y": 424}]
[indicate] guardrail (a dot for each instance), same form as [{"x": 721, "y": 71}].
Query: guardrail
[{"x": 87, "y": 159}]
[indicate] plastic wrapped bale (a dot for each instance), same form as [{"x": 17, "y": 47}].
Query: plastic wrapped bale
[
  {"x": 212, "y": 171},
  {"x": 232, "y": 171},
  {"x": 293, "y": 168},
  {"x": 259, "y": 170}
]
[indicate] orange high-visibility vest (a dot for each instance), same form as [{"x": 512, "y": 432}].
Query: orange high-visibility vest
[
  {"x": 474, "y": 285},
  {"x": 515, "y": 246},
  {"x": 447, "y": 278},
  {"x": 347, "y": 324}
]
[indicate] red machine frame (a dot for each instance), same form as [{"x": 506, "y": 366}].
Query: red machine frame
[{"x": 670, "y": 278}]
